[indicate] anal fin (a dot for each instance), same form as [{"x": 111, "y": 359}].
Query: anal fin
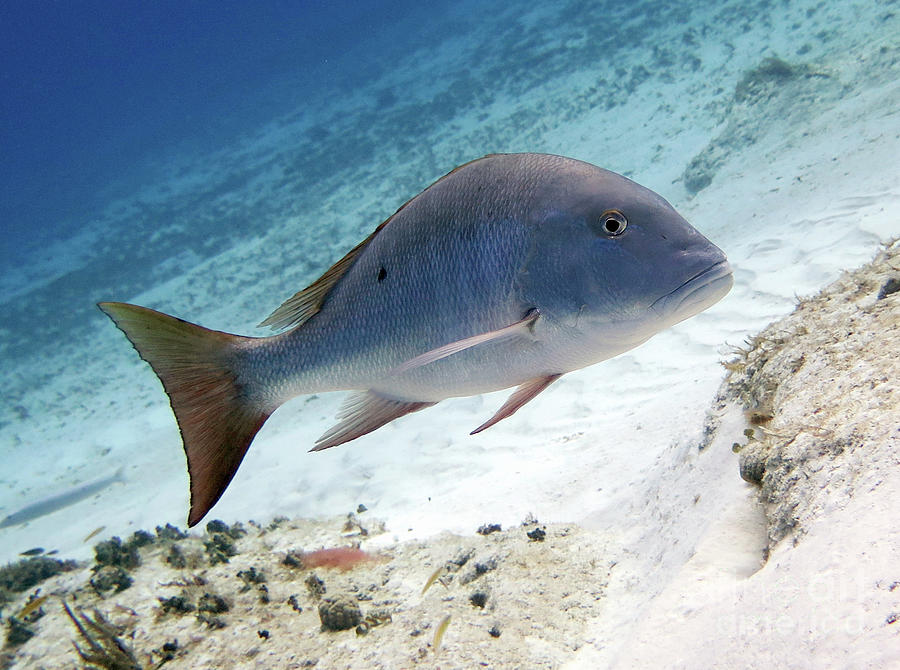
[
  {"x": 364, "y": 412},
  {"x": 520, "y": 396}
]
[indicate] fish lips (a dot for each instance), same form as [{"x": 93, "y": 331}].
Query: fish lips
[{"x": 699, "y": 292}]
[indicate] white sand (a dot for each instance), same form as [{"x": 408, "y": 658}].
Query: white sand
[
  {"x": 697, "y": 573},
  {"x": 827, "y": 595},
  {"x": 613, "y": 447}
]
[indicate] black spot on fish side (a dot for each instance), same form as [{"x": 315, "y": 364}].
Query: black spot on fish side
[{"x": 382, "y": 273}]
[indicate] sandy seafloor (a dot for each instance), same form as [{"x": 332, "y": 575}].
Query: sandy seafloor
[{"x": 804, "y": 182}]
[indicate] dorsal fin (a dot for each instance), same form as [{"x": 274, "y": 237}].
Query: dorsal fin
[{"x": 302, "y": 306}]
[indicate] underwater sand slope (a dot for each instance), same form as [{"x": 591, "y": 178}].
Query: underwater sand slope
[
  {"x": 818, "y": 397},
  {"x": 795, "y": 567}
]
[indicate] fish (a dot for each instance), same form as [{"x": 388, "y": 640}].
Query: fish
[
  {"x": 342, "y": 558},
  {"x": 433, "y": 578},
  {"x": 57, "y": 501},
  {"x": 31, "y": 606},
  {"x": 35, "y": 551},
  {"x": 439, "y": 633},
  {"x": 94, "y": 533},
  {"x": 509, "y": 271}
]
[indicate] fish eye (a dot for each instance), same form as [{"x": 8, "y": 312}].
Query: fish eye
[{"x": 611, "y": 223}]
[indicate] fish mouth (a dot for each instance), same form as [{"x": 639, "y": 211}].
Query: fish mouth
[{"x": 702, "y": 290}]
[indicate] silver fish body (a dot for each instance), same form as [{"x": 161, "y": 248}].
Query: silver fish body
[{"x": 509, "y": 271}]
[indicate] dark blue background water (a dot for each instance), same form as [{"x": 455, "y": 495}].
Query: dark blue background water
[{"x": 91, "y": 91}]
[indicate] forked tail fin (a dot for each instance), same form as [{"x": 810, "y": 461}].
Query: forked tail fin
[{"x": 216, "y": 418}]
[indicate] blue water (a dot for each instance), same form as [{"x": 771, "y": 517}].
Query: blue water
[
  {"x": 94, "y": 92},
  {"x": 210, "y": 159}
]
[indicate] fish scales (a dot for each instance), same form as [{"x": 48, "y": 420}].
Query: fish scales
[
  {"x": 510, "y": 271},
  {"x": 450, "y": 268},
  {"x": 454, "y": 284}
]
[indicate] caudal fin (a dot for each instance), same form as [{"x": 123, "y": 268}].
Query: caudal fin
[{"x": 216, "y": 418}]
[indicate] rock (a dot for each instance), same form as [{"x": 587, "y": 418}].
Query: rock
[
  {"x": 752, "y": 462},
  {"x": 113, "y": 552},
  {"x": 177, "y": 604},
  {"x": 210, "y": 602},
  {"x": 826, "y": 377},
  {"x": 170, "y": 532},
  {"x": 111, "y": 578},
  {"x": 17, "y": 633},
  {"x": 339, "y": 613}
]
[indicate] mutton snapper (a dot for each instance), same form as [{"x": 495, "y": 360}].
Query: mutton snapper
[{"x": 511, "y": 270}]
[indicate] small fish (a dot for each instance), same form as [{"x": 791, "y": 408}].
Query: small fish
[
  {"x": 510, "y": 271},
  {"x": 57, "y": 501},
  {"x": 439, "y": 633},
  {"x": 36, "y": 551},
  {"x": 433, "y": 578},
  {"x": 31, "y": 606},
  {"x": 94, "y": 533},
  {"x": 342, "y": 558}
]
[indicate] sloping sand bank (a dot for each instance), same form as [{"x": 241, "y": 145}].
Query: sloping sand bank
[
  {"x": 795, "y": 567},
  {"x": 821, "y": 394}
]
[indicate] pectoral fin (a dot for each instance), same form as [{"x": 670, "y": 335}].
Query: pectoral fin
[
  {"x": 521, "y": 327},
  {"x": 520, "y": 396},
  {"x": 364, "y": 412}
]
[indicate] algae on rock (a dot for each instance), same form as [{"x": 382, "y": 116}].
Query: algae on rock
[{"x": 839, "y": 354}]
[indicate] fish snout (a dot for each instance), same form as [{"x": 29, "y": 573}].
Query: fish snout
[{"x": 701, "y": 290}]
